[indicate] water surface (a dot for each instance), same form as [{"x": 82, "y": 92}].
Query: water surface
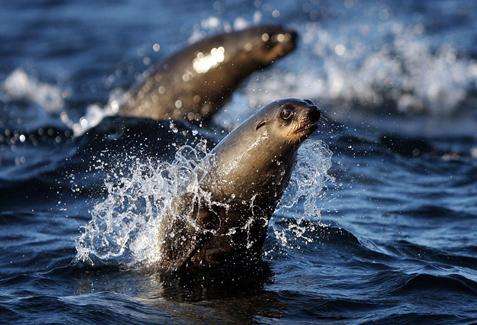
[{"x": 386, "y": 232}]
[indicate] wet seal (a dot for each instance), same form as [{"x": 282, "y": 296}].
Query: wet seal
[
  {"x": 248, "y": 172},
  {"x": 195, "y": 82}
]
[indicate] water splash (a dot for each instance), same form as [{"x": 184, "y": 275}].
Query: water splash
[
  {"x": 309, "y": 178},
  {"x": 391, "y": 64},
  {"x": 306, "y": 189},
  {"x": 20, "y": 86},
  {"x": 95, "y": 113},
  {"x": 124, "y": 228}
]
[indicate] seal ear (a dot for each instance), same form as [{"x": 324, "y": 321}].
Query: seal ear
[{"x": 260, "y": 124}]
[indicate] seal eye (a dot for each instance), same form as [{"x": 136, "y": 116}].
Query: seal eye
[{"x": 286, "y": 114}]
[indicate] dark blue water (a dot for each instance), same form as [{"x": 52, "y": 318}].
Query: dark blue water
[{"x": 396, "y": 238}]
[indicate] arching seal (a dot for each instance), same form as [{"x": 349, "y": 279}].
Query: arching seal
[
  {"x": 193, "y": 83},
  {"x": 249, "y": 171}
]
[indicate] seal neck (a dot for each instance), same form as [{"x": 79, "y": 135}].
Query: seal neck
[{"x": 250, "y": 165}]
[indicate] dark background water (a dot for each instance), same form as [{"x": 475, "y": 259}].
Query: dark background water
[{"x": 397, "y": 236}]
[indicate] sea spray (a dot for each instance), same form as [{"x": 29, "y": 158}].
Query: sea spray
[
  {"x": 124, "y": 227},
  {"x": 306, "y": 189},
  {"x": 95, "y": 113},
  {"x": 394, "y": 66},
  {"x": 20, "y": 86}
]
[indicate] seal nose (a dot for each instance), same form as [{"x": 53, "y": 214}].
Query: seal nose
[
  {"x": 314, "y": 112},
  {"x": 293, "y": 36},
  {"x": 309, "y": 102}
]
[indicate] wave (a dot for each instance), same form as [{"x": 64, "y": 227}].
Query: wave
[
  {"x": 432, "y": 212},
  {"x": 416, "y": 251},
  {"x": 295, "y": 235},
  {"x": 416, "y": 317},
  {"x": 419, "y": 281}
]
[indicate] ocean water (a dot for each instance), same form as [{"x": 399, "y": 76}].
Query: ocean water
[{"x": 378, "y": 224}]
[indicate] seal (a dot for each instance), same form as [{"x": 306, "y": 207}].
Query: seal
[
  {"x": 195, "y": 82},
  {"x": 249, "y": 169}
]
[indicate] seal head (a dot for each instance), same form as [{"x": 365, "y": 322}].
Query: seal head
[
  {"x": 250, "y": 169},
  {"x": 196, "y": 81},
  {"x": 262, "y": 148}
]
